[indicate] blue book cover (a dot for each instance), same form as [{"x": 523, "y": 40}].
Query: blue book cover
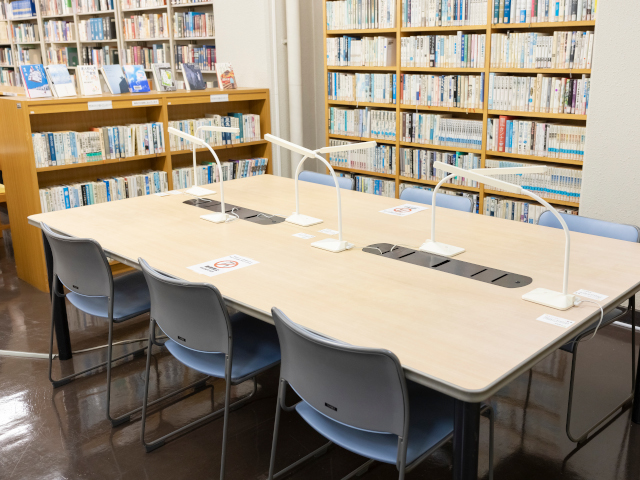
[
  {"x": 115, "y": 79},
  {"x": 137, "y": 78},
  {"x": 507, "y": 11},
  {"x": 35, "y": 81}
]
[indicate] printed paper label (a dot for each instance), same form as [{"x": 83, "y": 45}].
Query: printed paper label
[
  {"x": 590, "y": 295},
  {"x": 328, "y": 231},
  {"x": 139, "y": 103},
  {"x": 219, "y": 98},
  {"x": 162, "y": 194},
  {"x": 175, "y": 192},
  {"x": 403, "y": 210},
  {"x": 557, "y": 321},
  {"x": 222, "y": 265},
  {"x": 304, "y": 236},
  {"x": 103, "y": 105}
]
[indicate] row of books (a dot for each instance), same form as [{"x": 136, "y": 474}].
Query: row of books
[
  {"x": 540, "y": 139},
  {"x": 6, "y": 56},
  {"x": 62, "y": 56},
  {"x": 101, "y": 143},
  {"x": 539, "y": 94},
  {"x": 20, "y": 9},
  {"x": 59, "y": 31},
  {"x": 349, "y": 51},
  {"x": 362, "y": 87},
  {"x": 443, "y": 13},
  {"x": 208, "y": 173},
  {"x": 517, "y": 210},
  {"x": 381, "y": 159},
  {"x": 10, "y": 77},
  {"x": 248, "y": 123},
  {"x": 146, "y": 26},
  {"x": 375, "y": 186},
  {"x": 95, "y": 29},
  {"x": 418, "y": 163},
  {"x": 474, "y": 197},
  {"x": 50, "y": 8},
  {"x": 193, "y": 25},
  {"x": 361, "y": 14},
  {"x": 557, "y": 184},
  {"x": 462, "y": 91},
  {"x": 432, "y": 129},
  {"x": 526, "y": 11},
  {"x": 146, "y": 56},
  {"x": 28, "y": 54},
  {"x": 204, "y": 56},
  {"x": 100, "y": 56},
  {"x": 75, "y": 195},
  {"x": 363, "y": 122},
  {"x": 129, "y": 4},
  {"x": 443, "y": 51},
  {"x": 90, "y": 6},
  {"x": 541, "y": 50},
  {"x": 25, "y": 32}
]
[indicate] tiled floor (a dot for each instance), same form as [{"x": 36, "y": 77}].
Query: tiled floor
[{"x": 63, "y": 433}]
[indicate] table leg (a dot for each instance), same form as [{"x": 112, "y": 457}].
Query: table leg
[
  {"x": 635, "y": 412},
  {"x": 466, "y": 439},
  {"x": 60, "y": 321}
]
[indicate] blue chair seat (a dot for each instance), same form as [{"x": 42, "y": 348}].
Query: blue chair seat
[
  {"x": 608, "y": 318},
  {"x": 130, "y": 299},
  {"x": 431, "y": 420},
  {"x": 454, "y": 202},
  {"x": 255, "y": 349},
  {"x": 345, "y": 183}
]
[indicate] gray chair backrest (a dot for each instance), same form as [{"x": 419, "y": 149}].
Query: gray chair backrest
[
  {"x": 193, "y": 315},
  {"x": 346, "y": 183},
  {"x": 454, "y": 202},
  {"x": 80, "y": 264},
  {"x": 361, "y": 387},
  {"x": 592, "y": 226}
]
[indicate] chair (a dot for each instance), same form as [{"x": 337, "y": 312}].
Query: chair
[
  {"x": 358, "y": 398},
  {"x": 202, "y": 336},
  {"x": 420, "y": 195},
  {"x": 618, "y": 231},
  {"x": 345, "y": 183},
  {"x": 82, "y": 267}
]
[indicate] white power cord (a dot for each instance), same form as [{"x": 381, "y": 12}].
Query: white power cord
[{"x": 577, "y": 302}]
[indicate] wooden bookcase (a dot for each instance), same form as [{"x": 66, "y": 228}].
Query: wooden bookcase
[
  {"x": 472, "y": 114},
  {"x": 20, "y": 116}
]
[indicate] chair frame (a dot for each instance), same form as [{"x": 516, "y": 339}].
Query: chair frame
[{"x": 57, "y": 286}]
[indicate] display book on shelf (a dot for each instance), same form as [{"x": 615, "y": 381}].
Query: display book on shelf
[
  {"x": 21, "y": 116},
  {"x": 567, "y": 129}
]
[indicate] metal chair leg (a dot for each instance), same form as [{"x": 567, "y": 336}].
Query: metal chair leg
[
  {"x": 622, "y": 405},
  {"x": 227, "y": 398}
]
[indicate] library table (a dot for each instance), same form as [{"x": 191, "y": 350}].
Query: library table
[{"x": 463, "y": 337}]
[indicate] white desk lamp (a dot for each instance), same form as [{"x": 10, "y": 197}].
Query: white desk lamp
[
  {"x": 195, "y": 189},
  {"x": 543, "y": 296},
  {"x": 222, "y": 216},
  {"x": 329, "y": 244}
]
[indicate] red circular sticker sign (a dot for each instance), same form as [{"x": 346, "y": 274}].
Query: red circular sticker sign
[
  {"x": 226, "y": 264},
  {"x": 402, "y": 210}
]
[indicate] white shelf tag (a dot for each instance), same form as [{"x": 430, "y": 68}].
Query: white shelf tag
[
  {"x": 139, "y": 103},
  {"x": 557, "y": 321},
  {"x": 590, "y": 295},
  {"x": 219, "y": 98},
  {"x": 103, "y": 105}
]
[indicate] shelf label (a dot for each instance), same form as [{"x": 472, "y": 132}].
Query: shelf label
[
  {"x": 219, "y": 98},
  {"x": 103, "y": 105},
  {"x": 140, "y": 103},
  {"x": 557, "y": 321}
]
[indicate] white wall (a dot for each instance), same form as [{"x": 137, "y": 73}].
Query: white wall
[{"x": 611, "y": 172}]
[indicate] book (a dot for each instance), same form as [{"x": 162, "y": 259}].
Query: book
[
  {"x": 419, "y": 164},
  {"x": 208, "y": 173},
  {"x": 192, "y": 76},
  {"x": 115, "y": 79},
  {"x": 443, "y": 51},
  {"x": 356, "y": 14},
  {"x": 34, "y": 79},
  {"x": 362, "y": 87},
  {"x": 226, "y": 77},
  {"x": 137, "y": 78},
  {"x": 88, "y": 80},
  {"x": 248, "y": 123},
  {"x": 381, "y": 159},
  {"x": 62, "y": 85},
  {"x": 363, "y": 122},
  {"x": 432, "y": 129},
  {"x": 162, "y": 77},
  {"x": 366, "y": 51},
  {"x": 462, "y": 91}
]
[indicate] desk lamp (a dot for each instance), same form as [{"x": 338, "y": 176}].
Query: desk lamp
[
  {"x": 329, "y": 244},
  {"x": 195, "y": 190},
  {"x": 543, "y": 296},
  {"x": 222, "y": 216}
]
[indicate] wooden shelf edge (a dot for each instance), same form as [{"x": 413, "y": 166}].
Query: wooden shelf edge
[
  {"x": 444, "y": 185},
  {"x": 567, "y": 71},
  {"x": 564, "y": 161},
  {"x": 98, "y": 163},
  {"x": 220, "y": 147},
  {"x": 532, "y": 26},
  {"x": 566, "y": 116},
  {"x": 363, "y": 31},
  {"x": 364, "y": 172},
  {"x": 441, "y": 109},
  {"x": 442, "y": 29},
  {"x": 439, "y": 147},
  {"x": 525, "y": 197},
  {"x": 350, "y": 103},
  {"x": 360, "y": 139}
]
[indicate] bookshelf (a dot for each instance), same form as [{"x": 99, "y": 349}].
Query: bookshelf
[
  {"x": 20, "y": 116},
  {"x": 400, "y": 32}
]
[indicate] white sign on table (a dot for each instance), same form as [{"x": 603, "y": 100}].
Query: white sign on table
[
  {"x": 222, "y": 265},
  {"x": 404, "y": 210}
]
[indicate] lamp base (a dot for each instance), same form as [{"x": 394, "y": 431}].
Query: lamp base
[
  {"x": 549, "y": 298},
  {"x": 442, "y": 249},
  {"x": 218, "y": 217},
  {"x": 302, "y": 220},
  {"x": 199, "y": 191},
  {"x": 333, "y": 245}
]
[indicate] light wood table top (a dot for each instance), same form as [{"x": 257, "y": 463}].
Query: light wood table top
[{"x": 460, "y": 336}]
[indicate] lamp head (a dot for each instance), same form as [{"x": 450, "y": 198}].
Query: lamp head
[
  {"x": 347, "y": 148},
  {"x": 512, "y": 170},
  {"x": 289, "y": 146},
  {"x": 478, "y": 177},
  {"x": 186, "y": 136},
  {"x": 211, "y": 128}
]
